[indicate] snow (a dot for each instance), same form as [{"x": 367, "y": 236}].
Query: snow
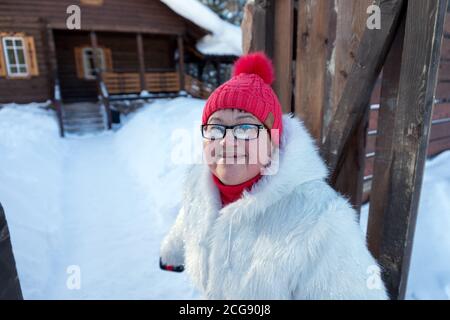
[
  {"x": 101, "y": 204},
  {"x": 226, "y": 38}
]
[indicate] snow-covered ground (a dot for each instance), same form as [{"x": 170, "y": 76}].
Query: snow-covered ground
[{"x": 101, "y": 205}]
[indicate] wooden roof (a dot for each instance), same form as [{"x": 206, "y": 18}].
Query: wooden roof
[{"x": 145, "y": 16}]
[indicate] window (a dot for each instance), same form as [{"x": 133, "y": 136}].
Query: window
[
  {"x": 15, "y": 53},
  {"x": 88, "y": 62},
  {"x": 84, "y": 61},
  {"x": 18, "y": 57},
  {"x": 92, "y": 2}
]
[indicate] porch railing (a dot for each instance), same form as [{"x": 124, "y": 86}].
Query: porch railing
[
  {"x": 156, "y": 82},
  {"x": 104, "y": 99},
  {"x": 129, "y": 82},
  {"x": 58, "y": 106},
  {"x": 197, "y": 88},
  {"x": 162, "y": 81}
]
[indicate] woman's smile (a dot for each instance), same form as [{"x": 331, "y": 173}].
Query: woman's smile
[{"x": 231, "y": 159}]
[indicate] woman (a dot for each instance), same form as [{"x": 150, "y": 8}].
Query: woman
[{"x": 265, "y": 225}]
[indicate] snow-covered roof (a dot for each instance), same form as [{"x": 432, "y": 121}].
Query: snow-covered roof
[{"x": 226, "y": 38}]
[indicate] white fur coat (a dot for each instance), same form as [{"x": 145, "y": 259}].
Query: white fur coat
[{"x": 291, "y": 237}]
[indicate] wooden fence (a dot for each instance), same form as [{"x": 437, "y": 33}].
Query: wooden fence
[{"x": 328, "y": 65}]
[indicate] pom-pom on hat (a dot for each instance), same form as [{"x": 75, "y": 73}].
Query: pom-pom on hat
[{"x": 249, "y": 90}]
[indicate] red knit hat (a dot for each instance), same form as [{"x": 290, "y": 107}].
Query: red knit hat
[{"x": 249, "y": 90}]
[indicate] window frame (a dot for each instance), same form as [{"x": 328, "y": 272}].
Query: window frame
[
  {"x": 86, "y": 66},
  {"x": 18, "y": 65}
]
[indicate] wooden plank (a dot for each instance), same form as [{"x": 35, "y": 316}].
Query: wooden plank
[
  {"x": 444, "y": 70},
  {"x": 438, "y": 146},
  {"x": 360, "y": 83},
  {"x": 443, "y": 91},
  {"x": 440, "y": 130},
  {"x": 283, "y": 49},
  {"x": 140, "y": 53},
  {"x": 348, "y": 29},
  {"x": 376, "y": 92},
  {"x": 441, "y": 111},
  {"x": 181, "y": 67},
  {"x": 447, "y": 24},
  {"x": 311, "y": 64},
  {"x": 370, "y": 144},
  {"x": 404, "y": 126},
  {"x": 368, "y": 166},
  {"x": 258, "y": 26},
  {"x": 350, "y": 26},
  {"x": 373, "y": 121},
  {"x": 446, "y": 48}
]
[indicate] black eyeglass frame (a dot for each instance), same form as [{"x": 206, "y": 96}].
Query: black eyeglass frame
[{"x": 259, "y": 126}]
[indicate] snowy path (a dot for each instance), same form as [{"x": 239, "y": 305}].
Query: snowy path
[
  {"x": 98, "y": 210},
  {"x": 74, "y": 205},
  {"x": 108, "y": 229}
]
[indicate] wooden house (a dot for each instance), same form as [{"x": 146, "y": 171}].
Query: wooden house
[{"x": 138, "y": 44}]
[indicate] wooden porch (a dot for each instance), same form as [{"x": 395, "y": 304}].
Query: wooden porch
[{"x": 156, "y": 66}]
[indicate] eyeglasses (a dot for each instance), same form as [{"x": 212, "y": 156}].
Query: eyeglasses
[{"x": 245, "y": 131}]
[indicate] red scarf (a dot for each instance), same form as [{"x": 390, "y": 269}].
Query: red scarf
[{"x": 229, "y": 194}]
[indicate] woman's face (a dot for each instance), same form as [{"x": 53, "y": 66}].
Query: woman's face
[{"x": 235, "y": 161}]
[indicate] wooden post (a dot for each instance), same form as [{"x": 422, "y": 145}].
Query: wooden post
[
  {"x": 140, "y": 52},
  {"x": 55, "y": 91},
  {"x": 311, "y": 64},
  {"x": 346, "y": 29},
  {"x": 98, "y": 76},
  {"x": 345, "y": 33},
  {"x": 263, "y": 19},
  {"x": 406, "y": 109},
  {"x": 283, "y": 51},
  {"x": 94, "y": 45},
  {"x": 217, "y": 67},
  {"x": 9, "y": 281},
  {"x": 200, "y": 68},
  {"x": 257, "y": 27},
  {"x": 181, "y": 60}
]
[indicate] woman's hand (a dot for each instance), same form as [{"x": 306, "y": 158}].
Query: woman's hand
[{"x": 170, "y": 267}]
